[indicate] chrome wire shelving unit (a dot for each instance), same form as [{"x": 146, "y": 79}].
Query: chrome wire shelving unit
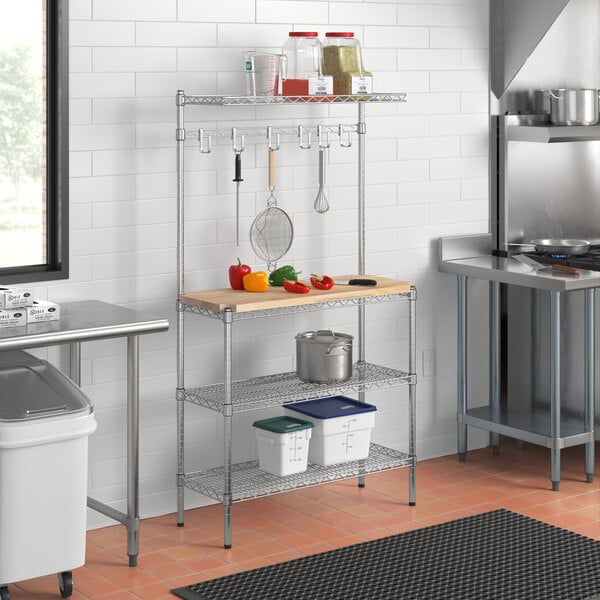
[{"x": 241, "y": 481}]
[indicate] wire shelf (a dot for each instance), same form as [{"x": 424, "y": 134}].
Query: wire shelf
[
  {"x": 299, "y": 308},
  {"x": 263, "y": 100},
  {"x": 282, "y": 388},
  {"x": 248, "y": 481}
]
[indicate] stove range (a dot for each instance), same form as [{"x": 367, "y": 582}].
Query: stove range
[{"x": 590, "y": 260}]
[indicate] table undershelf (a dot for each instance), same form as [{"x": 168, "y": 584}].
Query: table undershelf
[{"x": 528, "y": 425}]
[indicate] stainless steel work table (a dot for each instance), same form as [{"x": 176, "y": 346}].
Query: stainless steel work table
[
  {"x": 522, "y": 425},
  {"x": 85, "y": 321}
]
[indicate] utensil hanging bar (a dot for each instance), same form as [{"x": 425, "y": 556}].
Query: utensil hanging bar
[{"x": 262, "y": 132}]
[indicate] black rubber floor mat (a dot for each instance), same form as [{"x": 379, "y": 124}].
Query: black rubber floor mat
[{"x": 497, "y": 555}]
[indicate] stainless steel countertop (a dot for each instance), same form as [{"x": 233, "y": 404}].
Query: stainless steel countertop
[
  {"x": 509, "y": 270},
  {"x": 82, "y": 321}
]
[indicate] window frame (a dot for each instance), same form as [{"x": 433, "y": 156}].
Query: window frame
[{"x": 57, "y": 154}]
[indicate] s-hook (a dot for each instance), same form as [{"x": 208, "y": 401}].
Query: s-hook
[
  {"x": 341, "y": 132},
  {"x": 204, "y": 142},
  {"x": 302, "y": 136},
  {"x": 272, "y": 146}
]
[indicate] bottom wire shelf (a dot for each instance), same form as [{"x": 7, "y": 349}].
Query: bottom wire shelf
[{"x": 248, "y": 481}]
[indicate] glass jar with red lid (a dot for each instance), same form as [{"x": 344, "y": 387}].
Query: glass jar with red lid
[
  {"x": 303, "y": 64},
  {"x": 342, "y": 59}
]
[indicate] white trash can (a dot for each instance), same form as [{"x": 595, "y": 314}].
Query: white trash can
[{"x": 45, "y": 421}]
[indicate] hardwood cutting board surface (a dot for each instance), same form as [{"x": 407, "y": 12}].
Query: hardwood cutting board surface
[{"x": 278, "y": 297}]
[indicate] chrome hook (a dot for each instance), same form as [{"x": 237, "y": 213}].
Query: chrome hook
[
  {"x": 234, "y": 137},
  {"x": 301, "y": 136},
  {"x": 205, "y": 142},
  {"x": 320, "y": 137},
  {"x": 348, "y": 143},
  {"x": 272, "y": 146}
]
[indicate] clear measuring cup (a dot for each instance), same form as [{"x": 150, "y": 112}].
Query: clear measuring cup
[{"x": 263, "y": 72}]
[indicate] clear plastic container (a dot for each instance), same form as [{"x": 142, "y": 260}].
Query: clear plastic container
[
  {"x": 342, "y": 59},
  {"x": 303, "y": 65}
]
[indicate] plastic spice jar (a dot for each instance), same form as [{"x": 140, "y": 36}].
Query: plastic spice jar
[
  {"x": 342, "y": 58},
  {"x": 303, "y": 66}
]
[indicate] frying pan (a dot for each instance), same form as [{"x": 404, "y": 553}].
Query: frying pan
[
  {"x": 561, "y": 246},
  {"x": 572, "y": 247}
]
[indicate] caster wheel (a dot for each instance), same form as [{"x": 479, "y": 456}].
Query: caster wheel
[
  {"x": 4, "y": 593},
  {"x": 65, "y": 583}
]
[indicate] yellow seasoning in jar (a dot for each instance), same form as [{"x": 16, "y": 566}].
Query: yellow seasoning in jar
[{"x": 342, "y": 59}]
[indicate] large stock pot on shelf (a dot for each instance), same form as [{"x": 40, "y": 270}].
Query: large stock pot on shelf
[{"x": 323, "y": 356}]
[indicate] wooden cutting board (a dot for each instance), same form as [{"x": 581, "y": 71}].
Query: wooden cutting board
[{"x": 278, "y": 297}]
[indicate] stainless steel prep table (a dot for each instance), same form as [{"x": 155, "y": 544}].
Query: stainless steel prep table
[
  {"x": 462, "y": 257},
  {"x": 85, "y": 321}
]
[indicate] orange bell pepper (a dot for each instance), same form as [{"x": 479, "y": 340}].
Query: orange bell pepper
[{"x": 256, "y": 282}]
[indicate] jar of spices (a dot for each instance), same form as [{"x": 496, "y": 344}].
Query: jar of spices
[
  {"x": 342, "y": 58},
  {"x": 303, "y": 66}
]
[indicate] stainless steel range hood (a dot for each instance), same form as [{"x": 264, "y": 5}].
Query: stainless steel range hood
[
  {"x": 541, "y": 190},
  {"x": 517, "y": 27}
]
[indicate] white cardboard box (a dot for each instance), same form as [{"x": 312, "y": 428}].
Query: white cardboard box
[
  {"x": 15, "y": 297},
  {"x": 42, "y": 310},
  {"x": 12, "y": 317}
]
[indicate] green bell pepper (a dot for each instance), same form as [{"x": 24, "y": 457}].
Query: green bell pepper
[{"x": 288, "y": 272}]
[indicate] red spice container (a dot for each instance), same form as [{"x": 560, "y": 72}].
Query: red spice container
[{"x": 303, "y": 66}]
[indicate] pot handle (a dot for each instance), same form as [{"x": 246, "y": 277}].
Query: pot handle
[
  {"x": 553, "y": 95},
  {"x": 343, "y": 350}
]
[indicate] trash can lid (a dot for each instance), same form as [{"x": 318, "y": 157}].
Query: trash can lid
[
  {"x": 283, "y": 424},
  {"x": 31, "y": 388}
]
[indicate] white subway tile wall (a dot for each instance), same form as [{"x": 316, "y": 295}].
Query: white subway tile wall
[{"x": 426, "y": 177}]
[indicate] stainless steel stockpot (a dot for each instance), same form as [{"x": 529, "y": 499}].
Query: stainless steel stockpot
[
  {"x": 573, "y": 107},
  {"x": 323, "y": 356}
]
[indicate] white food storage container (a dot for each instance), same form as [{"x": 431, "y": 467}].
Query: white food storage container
[
  {"x": 45, "y": 421},
  {"x": 283, "y": 444},
  {"x": 342, "y": 430}
]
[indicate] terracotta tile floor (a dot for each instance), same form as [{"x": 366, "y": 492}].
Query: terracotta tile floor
[{"x": 294, "y": 524}]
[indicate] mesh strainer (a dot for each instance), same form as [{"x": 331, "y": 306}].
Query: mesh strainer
[{"x": 272, "y": 232}]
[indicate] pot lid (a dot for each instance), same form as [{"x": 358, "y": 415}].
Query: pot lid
[{"x": 325, "y": 336}]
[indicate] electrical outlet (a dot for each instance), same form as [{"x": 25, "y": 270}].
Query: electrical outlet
[{"x": 428, "y": 363}]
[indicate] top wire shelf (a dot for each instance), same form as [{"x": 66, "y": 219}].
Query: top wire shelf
[{"x": 262, "y": 100}]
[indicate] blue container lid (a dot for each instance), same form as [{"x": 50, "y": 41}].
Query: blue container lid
[{"x": 332, "y": 407}]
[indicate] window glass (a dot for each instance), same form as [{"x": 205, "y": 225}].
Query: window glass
[{"x": 22, "y": 133}]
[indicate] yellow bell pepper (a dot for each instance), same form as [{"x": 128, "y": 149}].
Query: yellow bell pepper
[{"x": 258, "y": 281}]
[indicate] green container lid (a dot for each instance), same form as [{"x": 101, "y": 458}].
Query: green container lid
[{"x": 283, "y": 424}]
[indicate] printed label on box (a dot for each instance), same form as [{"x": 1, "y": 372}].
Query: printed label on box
[
  {"x": 12, "y": 317},
  {"x": 42, "y": 310},
  {"x": 15, "y": 297},
  {"x": 320, "y": 86},
  {"x": 362, "y": 85}
]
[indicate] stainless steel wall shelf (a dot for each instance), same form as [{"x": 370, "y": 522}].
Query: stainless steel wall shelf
[
  {"x": 550, "y": 134},
  {"x": 270, "y": 100},
  {"x": 241, "y": 481}
]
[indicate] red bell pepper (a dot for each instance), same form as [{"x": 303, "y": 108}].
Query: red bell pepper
[
  {"x": 236, "y": 275},
  {"x": 321, "y": 282},
  {"x": 296, "y": 287}
]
